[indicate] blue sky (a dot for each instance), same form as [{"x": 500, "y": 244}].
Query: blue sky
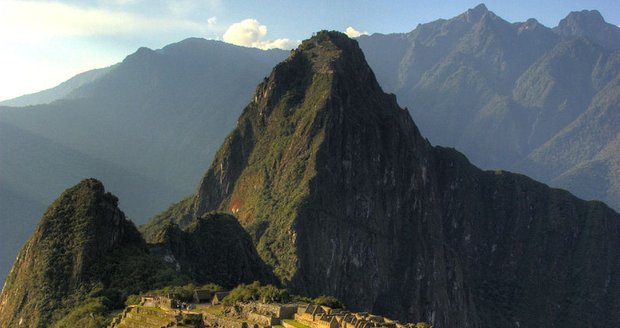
[{"x": 46, "y": 42}]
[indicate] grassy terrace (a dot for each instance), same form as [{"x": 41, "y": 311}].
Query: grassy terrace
[
  {"x": 152, "y": 309},
  {"x": 295, "y": 323},
  {"x": 217, "y": 310},
  {"x": 211, "y": 309}
]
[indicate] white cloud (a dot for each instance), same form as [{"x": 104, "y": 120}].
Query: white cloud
[
  {"x": 250, "y": 33},
  {"x": 212, "y": 21},
  {"x": 353, "y": 33},
  {"x": 30, "y": 21}
]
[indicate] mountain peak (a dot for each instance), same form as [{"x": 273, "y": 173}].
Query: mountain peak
[
  {"x": 65, "y": 254},
  {"x": 319, "y": 68},
  {"x": 476, "y": 13},
  {"x": 317, "y": 99},
  {"x": 591, "y": 25},
  {"x": 584, "y": 16},
  {"x": 95, "y": 216},
  {"x": 328, "y": 48},
  {"x": 480, "y": 8}
]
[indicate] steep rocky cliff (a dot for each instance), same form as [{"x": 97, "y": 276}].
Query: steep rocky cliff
[{"x": 343, "y": 196}]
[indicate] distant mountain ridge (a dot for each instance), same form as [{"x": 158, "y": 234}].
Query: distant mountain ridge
[
  {"x": 58, "y": 92},
  {"x": 147, "y": 128},
  {"x": 519, "y": 96}
]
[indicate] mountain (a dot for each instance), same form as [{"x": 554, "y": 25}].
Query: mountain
[
  {"x": 213, "y": 248},
  {"x": 32, "y": 168},
  {"x": 156, "y": 109},
  {"x": 512, "y": 95},
  {"x": 84, "y": 259},
  {"x": 343, "y": 196},
  {"x": 58, "y": 92},
  {"x": 591, "y": 25},
  {"x": 147, "y": 127}
]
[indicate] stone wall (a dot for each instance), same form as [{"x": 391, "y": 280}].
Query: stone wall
[
  {"x": 282, "y": 311},
  {"x": 263, "y": 320},
  {"x": 223, "y": 322},
  {"x": 305, "y": 318}
]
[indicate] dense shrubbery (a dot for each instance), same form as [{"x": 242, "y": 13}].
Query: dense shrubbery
[
  {"x": 326, "y": 300},
  {"x": 92, "y": 313},
  {"x": 271, "y": 294},
  {"x": 256, "y": 292}
]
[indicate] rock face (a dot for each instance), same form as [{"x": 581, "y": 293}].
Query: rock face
[
  {"x": 212, "y": 249},
  {"x": 343, "y": 196},
  {"x": 510, "y": 95}
]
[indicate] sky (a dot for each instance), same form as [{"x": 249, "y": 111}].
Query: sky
[{"x": 43, "y": 43}]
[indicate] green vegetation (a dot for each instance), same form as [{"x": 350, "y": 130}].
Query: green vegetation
[
  {"x": 256, "y": 292},
  {"x": 279, "y": 157},
  {"x": 213, "y": 249},
  {"x": 330, "y": 301},
  {"x": 295, "y": 323},
  {"x": 217, "y": 310},
  {"x": 179, "y": 213},
  {"x": 326, "y": 300},
  {"x": 90, "y": 313}
]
